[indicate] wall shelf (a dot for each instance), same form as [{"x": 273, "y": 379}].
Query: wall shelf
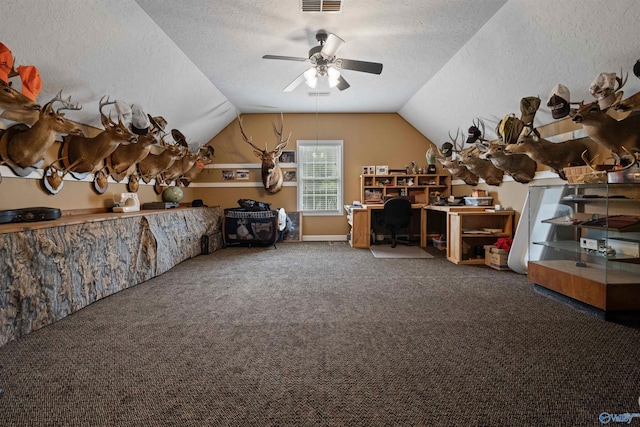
[{"x": 418, "y": 187}]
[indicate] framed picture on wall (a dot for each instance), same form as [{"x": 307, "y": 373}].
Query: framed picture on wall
[
  {"x": 228, "y": 174},
  {"x": 287, "y": 157},
  {"x": 242, "y": 174},
  {"x": 293, "y": 231},
  {"x": 382, "y": 170},
  {"x": 289, "y": 176},
  {"x": 368, "y": 170}
]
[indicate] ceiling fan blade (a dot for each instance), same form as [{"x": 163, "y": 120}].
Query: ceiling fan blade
[
  {"x": 352, "y": 64},
  {"x": 342, "y": 83},
  {"x": 286, "y": 58},
  {"x": 332, "y": 46},
  {"x": 294, "y": 84}
]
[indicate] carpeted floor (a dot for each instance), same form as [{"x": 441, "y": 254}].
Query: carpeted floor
[{"x": 322, "y": 334}]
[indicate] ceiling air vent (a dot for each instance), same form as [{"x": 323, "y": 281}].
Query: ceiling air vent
[
  {"x": 327, "y": 6},
  {"x": 319, "y": 93}
]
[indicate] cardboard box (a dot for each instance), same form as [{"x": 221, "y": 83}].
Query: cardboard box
[{"x": 496, "y": 258}]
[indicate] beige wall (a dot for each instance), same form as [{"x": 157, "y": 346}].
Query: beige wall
[
  {"x": 369, "y": 139},
  {"x": 18, "y": 193}
]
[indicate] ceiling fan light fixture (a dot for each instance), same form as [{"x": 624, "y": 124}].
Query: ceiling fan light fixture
[
  {"x": 311, "y": 78},
  {"x": 334, "y": 76}
]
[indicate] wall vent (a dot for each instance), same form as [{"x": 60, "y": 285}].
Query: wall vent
[
  {"x": 326, "y": 6},
  {"x": 319, "y": 93}
]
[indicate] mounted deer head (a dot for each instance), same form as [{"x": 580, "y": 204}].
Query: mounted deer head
[
  {"x": 555, "y": 155},
  {"x": 520, "y": 166},
  {"x": 122, "y": 162},
  {"x": 272, "y": 177},
  {"x": 605, "y": 130},
  {"x": 88, "y": 154},
  {"x": 470, "y": 157},
  {"x": 155, "y": 163},
  {"x": 632, "y": 103},
  {"x": 453, "y": 165},
  {"x": 206, "y": 156},
  {"x": 179, "y": 167},
  {"x": 13, "y": 100},
  {"x": 24, "y": 148}
]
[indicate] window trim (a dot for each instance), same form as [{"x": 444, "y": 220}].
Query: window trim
[{"x": 340, "y": 202}]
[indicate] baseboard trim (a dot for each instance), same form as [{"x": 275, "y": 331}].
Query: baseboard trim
[{"x": 324, "y": 238}]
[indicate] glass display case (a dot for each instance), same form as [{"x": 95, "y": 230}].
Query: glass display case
[{"x": 584, "y": 244}]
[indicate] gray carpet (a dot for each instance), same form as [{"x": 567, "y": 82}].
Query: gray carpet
[{"x": 322, "y": 334}]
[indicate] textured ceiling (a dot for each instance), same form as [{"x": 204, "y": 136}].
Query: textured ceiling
[{"x": 226, "y": 40}]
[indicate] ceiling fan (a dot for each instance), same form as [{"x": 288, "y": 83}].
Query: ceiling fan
[{"x": 325, "y": 64}]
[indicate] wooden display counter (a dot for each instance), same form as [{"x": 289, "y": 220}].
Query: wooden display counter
[{"x": 51, "y": 269}]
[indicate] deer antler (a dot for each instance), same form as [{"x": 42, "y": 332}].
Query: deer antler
[
  {"x": 587, "y": 161},
  {"x": 282, "y": 143},
  {"x": 66, "y": 103},
  {"x": 479, "y": 123},
  {"x": 621, "y": 80},
  {"x": 454, "y": 141},
  {"x": 247, "y": 139},
  {"x": 102, "y": 104}
]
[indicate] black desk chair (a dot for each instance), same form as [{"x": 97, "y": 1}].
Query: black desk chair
[{"x": 397, "y": 215}]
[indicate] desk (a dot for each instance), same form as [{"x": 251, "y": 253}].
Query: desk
[
  {"x": 454, "y": 220},
  {"x": 465, "y": 226},
  {"x": 360, "y": 221}
]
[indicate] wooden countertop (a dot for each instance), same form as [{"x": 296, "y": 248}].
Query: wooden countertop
[
  {"x": 67, "y": 219},
  {"x": 454, "y": 208}
]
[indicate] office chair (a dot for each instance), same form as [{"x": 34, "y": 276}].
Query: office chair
[{"x": 397, "y": 215}]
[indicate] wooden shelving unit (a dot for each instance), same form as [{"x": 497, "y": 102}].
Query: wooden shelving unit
[
  {"x": 358, "y": 219},
  {"x": 468, "y": 232},
  {"x": 374, "y": 189}
]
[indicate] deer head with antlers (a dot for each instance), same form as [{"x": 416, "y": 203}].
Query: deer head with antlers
[
  {"x": 272, "y": 177},
  {"x": 206, "y": 156},
  {"x": 154, "y": 164},
  {"x": 519, "y": 166},
  {"x": 82, "y": 155},
  {"x": 23, "y": 148},
  {"x": 614, "y": 135},
  {"x": 122, "y": 162},
  {"x": 470, "y": 157},
  {"x": 452, "y": 164},
  {"x": 556, "y": 155}
]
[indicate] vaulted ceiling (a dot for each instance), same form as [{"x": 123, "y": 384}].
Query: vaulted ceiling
[{"x": 198, "y": 63}]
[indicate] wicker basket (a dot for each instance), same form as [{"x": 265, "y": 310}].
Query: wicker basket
[{"x": 584, "y": 174}]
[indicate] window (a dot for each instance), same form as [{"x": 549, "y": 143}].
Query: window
[{"x": 320, "y": 177}]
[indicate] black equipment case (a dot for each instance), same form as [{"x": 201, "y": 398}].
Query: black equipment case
[{"x": 29, "y": 215}]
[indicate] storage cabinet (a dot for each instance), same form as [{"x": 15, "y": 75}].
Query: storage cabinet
[
  {"x": 358, "y": 219},
  {"x": 468, "y": 232},
  {"x": 583, "y": 244},
  {"x": 420, "y": 188}
]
